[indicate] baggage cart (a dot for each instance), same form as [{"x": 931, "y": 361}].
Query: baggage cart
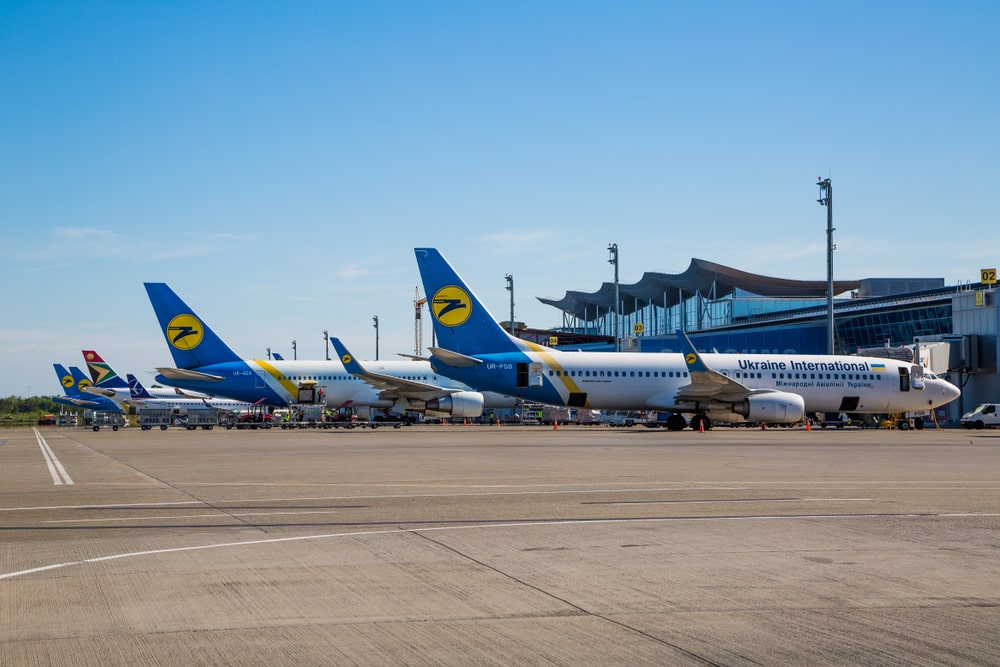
[
  {"x": 206, "y": 418},
  {"x": 152, "y": 417},
  {"x": 108, "y": 419}
]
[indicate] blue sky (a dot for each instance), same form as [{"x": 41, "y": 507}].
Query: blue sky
[{"x": 276, "y": 163}]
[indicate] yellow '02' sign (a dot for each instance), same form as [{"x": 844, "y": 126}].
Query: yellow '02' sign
[
  {"x": 988, "y": 276},
  {"x": 638, "y": 328}
]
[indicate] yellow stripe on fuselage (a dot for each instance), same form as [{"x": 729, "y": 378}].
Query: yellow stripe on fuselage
[
  {"x": 549, "y": 359},
  {"x": 287, "y": 384}
]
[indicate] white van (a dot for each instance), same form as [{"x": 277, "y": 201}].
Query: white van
[{"x": 986, "y": 415}]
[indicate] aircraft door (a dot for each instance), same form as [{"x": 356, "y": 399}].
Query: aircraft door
[
  {"x": 535, "y": 377},
  {"x": 259, "y": 381},
  {"x": 904, "y": 378},
  {"x": 917, "y": 376},
  {"x": 522, "y": 375}
]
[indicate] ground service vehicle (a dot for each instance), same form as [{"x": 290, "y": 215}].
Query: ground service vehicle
[
  {"x": 838, "y": 419},
  {"x": 984, "y": 416}
]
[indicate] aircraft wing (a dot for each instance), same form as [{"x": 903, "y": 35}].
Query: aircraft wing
[
  {"x": 75, "y": 402},
  {"x": 101, "y": 391},
  {"x": 390, "y": 385},
  {"x": 706, "y": 383}
]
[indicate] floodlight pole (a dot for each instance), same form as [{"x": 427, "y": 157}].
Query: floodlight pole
[
  {"x": 613, "y": 249},
  {"x": 326, "y": 337},
  {"x": 826, "y": 199},
  {"x": 510, "y": 288},
  {"x": 375, "y": 320},
  {"x": 295, "y": 352}
]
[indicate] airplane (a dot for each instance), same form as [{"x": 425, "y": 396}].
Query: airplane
[
  {"x": 141, "y": 398},
  {"x": 107, "y": 383},
  {"x": 74, "y": 384},
  {"x": 204, "y": 362},
  {"x": 733, "y": 388},
  {"x": 393, "y": 387}
]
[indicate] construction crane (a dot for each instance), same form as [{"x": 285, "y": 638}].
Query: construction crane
[{"x": 418, "y": 327}]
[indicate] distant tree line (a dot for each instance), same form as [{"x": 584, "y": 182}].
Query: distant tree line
[{"x": 15, "y": 405}]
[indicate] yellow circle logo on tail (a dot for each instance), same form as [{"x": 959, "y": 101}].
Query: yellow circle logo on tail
[
  {"x": 690, "y": 358},
  {"x": 82, "y": 386},
  {"x": 451, "y": 306},
  {"x": 185, "y": 332},
  {"x": 67, "y": 381},
  {"x": 346, "y": 359}
]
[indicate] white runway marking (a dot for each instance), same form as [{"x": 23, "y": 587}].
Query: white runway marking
[
  {"x": 521, "y": 524},
  {"x": 59, "y": 474}
]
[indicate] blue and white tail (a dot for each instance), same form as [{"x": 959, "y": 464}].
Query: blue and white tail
[
  {"x": 80, "y": 381},
  {"x": 66, "y": 380},
  {"x": 461, "y": 322},
  {"x": 73, "y": 381},
  {"x": 191, "y": 342},
  {"x": 136, "y": 389}
]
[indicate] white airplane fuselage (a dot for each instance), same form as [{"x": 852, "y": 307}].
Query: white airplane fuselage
[
  {"x": 629, "y": 381},
  {"x": 278, "y": 381}
]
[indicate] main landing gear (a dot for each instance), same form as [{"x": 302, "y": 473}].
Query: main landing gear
[{"x": 699, "y": 422}]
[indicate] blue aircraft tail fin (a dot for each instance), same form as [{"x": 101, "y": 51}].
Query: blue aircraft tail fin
[
  {"x": 191, "y": 342},
  {"x": 136, "y": 389},
  {"x": 79, "y": 381},
  {"x": 66, "y": 380},
  {"x": 461, "y": 322}
]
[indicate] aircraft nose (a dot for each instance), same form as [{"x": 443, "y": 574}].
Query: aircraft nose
[{"x": 950, "y": 391}]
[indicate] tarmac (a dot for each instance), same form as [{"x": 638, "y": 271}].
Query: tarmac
[{"x": 485, "y": 545}]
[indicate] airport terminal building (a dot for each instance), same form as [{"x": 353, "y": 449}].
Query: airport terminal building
[{"x": 725, "y": 309}]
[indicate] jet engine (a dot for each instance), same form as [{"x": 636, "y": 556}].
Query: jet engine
[
  {"x": 459, "y": 404},
  {"x": 772, "y": 407}
]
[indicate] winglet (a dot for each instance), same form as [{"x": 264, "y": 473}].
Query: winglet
[
  {"x": 694, "y": 362},
  {"x": 350, "y": 363}
]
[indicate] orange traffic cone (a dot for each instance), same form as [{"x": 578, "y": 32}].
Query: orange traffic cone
[
  {"x": 763, "y": 426},
  {"x": 701, "y": 426},
  {"x": 555, "y": 426},
  {"x": 809, "y": 425}
]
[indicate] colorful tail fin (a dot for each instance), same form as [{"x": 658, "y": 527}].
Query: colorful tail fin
[
  {"x": 461, "y": 323},
  {"x": 101, "y": 372},
  {"x": 191, "y": 342},
  {"x": 136, "y": 389}
]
